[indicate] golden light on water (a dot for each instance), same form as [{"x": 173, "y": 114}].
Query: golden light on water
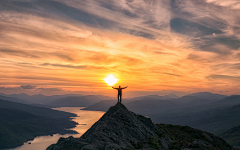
[{"x": 111, "y": 80}]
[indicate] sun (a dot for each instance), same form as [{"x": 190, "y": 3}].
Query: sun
[{"x": 111, "y": 80}]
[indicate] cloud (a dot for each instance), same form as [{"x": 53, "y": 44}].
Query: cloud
[
  {"x": 9, "y": 88},
  {"x": 64, "y": 66},
  {"x": 152, "y": 45},
  {"x": 49, "y": 89},
  {"x": 233, "y": 78},
  {"x": 33, "y": 90},
  {"x": 28, "y": 87},
  {"x": 233, "y": 4}
]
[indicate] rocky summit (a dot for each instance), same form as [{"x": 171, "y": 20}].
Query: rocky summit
[{"x": 121, "y": 129}]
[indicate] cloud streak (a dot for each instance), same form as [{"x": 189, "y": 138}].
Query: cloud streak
[{"x": 154, "y": 45}]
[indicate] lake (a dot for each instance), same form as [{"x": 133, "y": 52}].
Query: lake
[{"x": 85, "y": 120}]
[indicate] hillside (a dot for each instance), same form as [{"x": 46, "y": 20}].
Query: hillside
[
  {"x": 121, "y": 129},
  {"x": 39, "y": 111},
  {"x": 13, "y": 99},
  {"x": 77, "y": 101},
  {"x": 170, "y": 96},
  {"x": 214, "y": 120},
  {"x": 153, "y": 104},
  {"x": 17, "y": 127},
  {"x": 143, "y": 106},
  {"x": 101, "y": 106},
  {"x": 20, "y": 123},
  {"x": 232, "y": 136},
  {"x": 184, "y": 136},
  {"x": 148, "y": 106},
  {"x": 207, "y": 95},
  {"x": 39, "y": 98}
]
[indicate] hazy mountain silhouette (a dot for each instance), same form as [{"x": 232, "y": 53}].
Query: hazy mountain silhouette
[
  {"x": 20, "y": 123},
  {"x": 39, "y": 98},
  {"x": 200, "y": 98},
  {"x": 80, "y": 101},
  {"x": 148, "y": 105},
  {"x": 67, "y": 100},
  {"x": 214, "y": 117},
  {"x": 170, "y": 96},
  {"x": 143, "y": 106},
  {"x": 13, "y": 99},
  {"x": 219, "y": 119},
  {"x": 121, "y": 129},
  {"x": 101, "y": 106},
  {"x": 137, "y": 104},
  {"x": 39, "y": 111},
  {"x": 228, "y": 101},
  {"x": 151, "y": 104},
  {"x": 207, "y": 95}
]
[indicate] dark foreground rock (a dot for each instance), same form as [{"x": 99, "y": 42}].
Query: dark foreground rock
[
  {"x": 186, "y": 137},
  {"x": 120, "y": 129}
]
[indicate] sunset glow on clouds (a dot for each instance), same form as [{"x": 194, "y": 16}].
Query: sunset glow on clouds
[{"x": 58, "y": 46}]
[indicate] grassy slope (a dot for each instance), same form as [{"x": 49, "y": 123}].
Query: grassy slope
[
  {"x": 232, "y": 136},
  {"x": 184, "y": 136}
]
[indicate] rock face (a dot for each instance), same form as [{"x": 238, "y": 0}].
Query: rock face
[{"x": 121, "y": 129}]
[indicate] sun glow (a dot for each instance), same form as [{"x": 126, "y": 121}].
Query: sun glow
[{"x": 111, "y": 80}]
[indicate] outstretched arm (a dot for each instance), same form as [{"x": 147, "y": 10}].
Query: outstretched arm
[
  {"x": 114, "y": 88},
  {"x": 125, "y": 87}
]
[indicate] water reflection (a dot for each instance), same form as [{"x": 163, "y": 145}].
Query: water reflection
[{"x": 85, "y": 120}]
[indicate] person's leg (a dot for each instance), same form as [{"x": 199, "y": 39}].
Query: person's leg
[{"x": 120, "y": 97}]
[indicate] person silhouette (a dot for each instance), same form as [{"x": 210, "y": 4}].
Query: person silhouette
[{"x": 120, "y": 93}]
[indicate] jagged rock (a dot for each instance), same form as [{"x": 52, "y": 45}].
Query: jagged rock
[{"x": 121, "y": 129}]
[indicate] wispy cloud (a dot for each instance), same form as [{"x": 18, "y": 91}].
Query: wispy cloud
[
  {"x": 233, "y": 4},
  {"x": 27, "y": 86},
  {"x": 151, "y": 45}
]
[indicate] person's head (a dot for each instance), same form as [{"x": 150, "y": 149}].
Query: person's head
[{"x": 119, "y": 86}]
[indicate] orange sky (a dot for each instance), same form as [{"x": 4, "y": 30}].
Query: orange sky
[{"x": 57, "y": 53}]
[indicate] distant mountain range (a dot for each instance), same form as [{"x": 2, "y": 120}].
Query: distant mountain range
[
  {"x": 207, "y": 95},
  {"x": 87, "y": 100},
  {"x": 170, "y": 96},
  {"x": 39, "y": 98},
  {"x": 68, "y": 100},
  {"x": 157, "y": 104},
  {"x": 80, "y": 101},
  {"x": 14, "y": 99}
]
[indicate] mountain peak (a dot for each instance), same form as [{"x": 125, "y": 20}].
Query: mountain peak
[
  {"x": 114, "y": 111},
  {"x": 117, "y": 107},
  {"x": 120, "y": 129}
]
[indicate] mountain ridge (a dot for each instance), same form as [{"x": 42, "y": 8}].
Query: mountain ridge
[
  {"x": 121, "y": 129},
  {"x": 77, "y": 101}
]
